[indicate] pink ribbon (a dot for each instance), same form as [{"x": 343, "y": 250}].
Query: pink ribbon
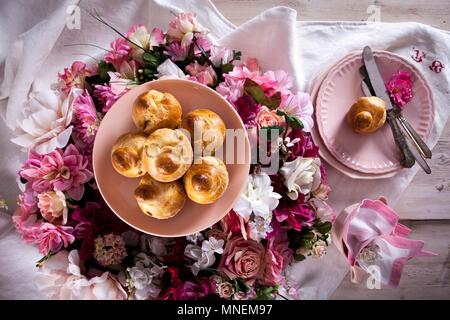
[{"x": 369, "y": 235}]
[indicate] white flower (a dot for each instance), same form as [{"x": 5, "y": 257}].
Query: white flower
[
  {"x": 299, "y": 105},
  {"x": 195, "y": 237},
  {"x": 319, "y": 249},
  {"x": 155, "y": 245},
  {"x": 143, "y": 39},
  {"x": 60, "y": 278},
  {"x": 145, "y": 277},
  {"x": 301, "y": 176},
  {"x": 46, "y": 124},
  {"x": 259, "y": 228},
  {"x": 204, "y": 255},
  {"x": 258, "y": 198},
  {"x": 220, "y": 55},
  {"x": 169, "y": 70}
]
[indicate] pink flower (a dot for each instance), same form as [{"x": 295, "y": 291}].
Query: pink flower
[
  {"x": 302, "y": 145},
  {"x": 183, "y": 28},
  {"x": 85, "y": 119},
  {"x": 299, "y": 105},
  {"x": 399, "y": 88},
  {"x": 283, "y": 80},
  {"x": 53, "y": 238},
  {"x": 247, "y": 109},
  {"x": 242, "y": 259},
  {"x": 26, "y": 224},
  {"x": 73, "y": 77},
  {"x": 225, "y": 290},
  {"x": 278, "y": 257},
  {"x": 53, "y": 206},
  {"x": 28, "y": 200},
  {"x": 59, "y": 170},
  {"x": 220, "y": 55},
  {"x": 294, "y": 213},
  {"x": 109, "y": 249},
  {"x": 142, "y": 40},
  {"x": 203, "y": 74},
  {"x": 176, "y": 51},
  {"x": 109, "y": 93},
  {"x": 267, "y": 118},
  {"x": 192, "y": 291},
  {"x": 120, "y": 52}
]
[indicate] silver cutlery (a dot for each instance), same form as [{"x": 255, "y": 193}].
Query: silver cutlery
[
  {"x": 407, "y": 159},
  {"x": 416, "y": 149}
]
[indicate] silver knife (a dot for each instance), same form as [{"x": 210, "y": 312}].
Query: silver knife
[
  {"x": 415, "y": 151},
  {"x": 406, "y": 157}
]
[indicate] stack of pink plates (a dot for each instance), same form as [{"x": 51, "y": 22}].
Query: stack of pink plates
[{"x": 372, "y": 156}]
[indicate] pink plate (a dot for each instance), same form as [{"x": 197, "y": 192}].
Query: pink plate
[
  {"x": 326, "y": 155},
  {"x": 375, "y": 153},
  {"x": 118, "y": 191}
]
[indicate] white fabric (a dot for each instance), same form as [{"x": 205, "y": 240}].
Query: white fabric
[{"x": 34, "y": 38}]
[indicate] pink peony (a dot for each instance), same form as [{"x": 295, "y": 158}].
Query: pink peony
[
  {"x": 74, "y": 77},
  {"x": 53, "y": 238},
  {"x": 59, "y": 170},
  {"x": 192, "y": 291},
  {"x": 267, "y": 118},
  {"x": 278, "y": 257},
  {"x": 85, "y": 119},
  {"x": 203, "y": 74},
  {"x": 53, "y": 206},
  {"x": 399, "y": 88},
  {"x": 242, "y": 259},
  {"x": 120, "y": 52},
  {"x": 184, "y": 27}
]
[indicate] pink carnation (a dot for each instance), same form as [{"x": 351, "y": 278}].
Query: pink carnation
[
  {"x": 203, "y": 74},
  {"x": 73, "y": 77},
  {"x": 59, "y": 170},
  {"x": 53, "y": 206},
  {"x": 109, "y": 93},
  {"x": 399, "y": 88},
  {"x": 53, "y": 238},
  {"x": 85, "y": 119},
  {"x": 120, "y": 52},
  {"x": 184, "y": 27}
]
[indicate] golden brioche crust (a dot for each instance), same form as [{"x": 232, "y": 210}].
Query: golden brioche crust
[
  {"x": 158, "y": 199},
  {"x": 206, "y": 181},
  {"x": 367, "y": 115},
  {"x": 153, "y": 110},
  {"x": 126, "y": 154},
  {"x": 167, "y": 155},
  {"x": 206, "y": 129}
]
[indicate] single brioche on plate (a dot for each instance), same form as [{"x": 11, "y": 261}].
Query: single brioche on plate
[
  {"x": 206, "y": 181},
  {"x": 206, "y": 129},
  {"x": 367, "y": 115},
  {"x": 158, "y": 199},
  {"x": 167, "y": 155},
  {"x": 126, "y": 154},
  {"x": 153, "y": 110}
]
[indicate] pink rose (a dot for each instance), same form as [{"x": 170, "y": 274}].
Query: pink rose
[
  {"x": 53, "y": 206},
  {"x": 267, "y": 118},
  {"x": 225, "y": 290},
  {"x": 243, "y": 259},
  {"x": 278, "y": 257},
  {"x": 54, "y": 238}
]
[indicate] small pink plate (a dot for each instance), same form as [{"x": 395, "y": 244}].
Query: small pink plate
[
  {"x": 118, "y": 191},
  {"x": 375, "y": 153}
]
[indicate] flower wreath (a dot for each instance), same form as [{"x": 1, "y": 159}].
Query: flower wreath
[{"x": 88, "y": 253}]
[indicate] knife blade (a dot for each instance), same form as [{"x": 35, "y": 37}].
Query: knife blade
[
  {"x": 417, "y": 153},
  {"x": 406, "y": 157}
]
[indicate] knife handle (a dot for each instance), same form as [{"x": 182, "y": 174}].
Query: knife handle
[
  {"x": 406, "y": 157},
  {"x": 423, "y": 146}
]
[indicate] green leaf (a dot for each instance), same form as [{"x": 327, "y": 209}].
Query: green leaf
[
  {"x": 323, "y": 227},
  {"x": 228, "y": 67},
  {"x": 256, "y": 91},
  {"x": 241, "y": 285},
  {"x": 103, "y": 69},
  {"x": 268, "y": 131},
  {"x": 265, "y": 293},
  {"x": 292, "y": 121},
  {"x": 150, "y": 59},
  {"x": 236, "y": 55}
]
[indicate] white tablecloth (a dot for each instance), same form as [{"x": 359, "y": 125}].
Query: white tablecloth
[{"x": 32, "y": 51}]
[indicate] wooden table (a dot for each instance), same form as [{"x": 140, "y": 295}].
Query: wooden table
[{"x": 426, "y": 202}]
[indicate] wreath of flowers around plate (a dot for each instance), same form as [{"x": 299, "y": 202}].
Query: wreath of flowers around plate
[{"x": 89, "y": 253}]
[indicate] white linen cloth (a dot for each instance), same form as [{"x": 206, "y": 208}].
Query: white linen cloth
[{"x": 32, "y": 51}]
